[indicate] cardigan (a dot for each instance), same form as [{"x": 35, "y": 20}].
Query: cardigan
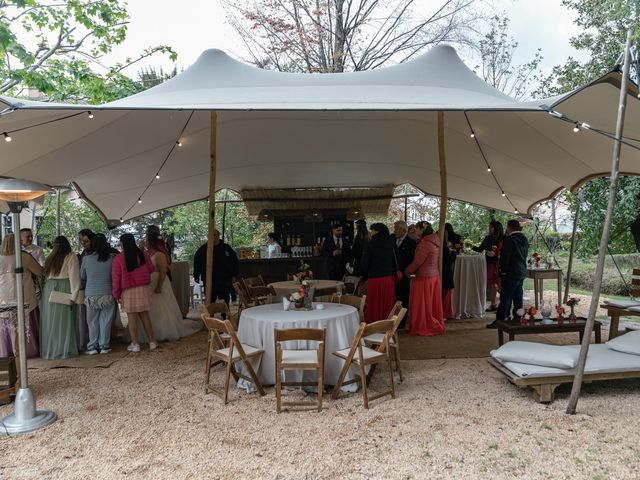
[{"x": 121, "y": 279}]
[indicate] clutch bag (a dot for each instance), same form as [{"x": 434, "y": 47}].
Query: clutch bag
[{"x": 60, "y": 297}]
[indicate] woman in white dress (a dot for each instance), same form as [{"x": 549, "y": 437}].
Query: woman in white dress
[{"x": 164, "y": 311}]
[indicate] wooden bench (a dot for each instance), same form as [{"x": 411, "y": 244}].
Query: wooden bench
[
  {"x": 616, "y": 312},
  {"x": 8, "y": 379}
]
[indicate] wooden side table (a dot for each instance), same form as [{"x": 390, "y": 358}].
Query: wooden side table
[
  {"x": 513, "y": 329},
  {"x": 539, "y": 275}
]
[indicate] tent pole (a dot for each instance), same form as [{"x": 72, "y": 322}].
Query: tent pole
[
  {"x": 212, "y": 208},
  {"x": 604, "y": 239},
  {"x": 443, "y": 186},
  {"x": 572, "y": 248}
]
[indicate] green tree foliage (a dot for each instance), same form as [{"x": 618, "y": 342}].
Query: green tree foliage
[{"x": 56, "y": 47}]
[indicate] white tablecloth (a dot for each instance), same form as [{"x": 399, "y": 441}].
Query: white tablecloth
[
  {"x": 257, "y": 325},
  {"x": 284, "y": 289},
  {"x": 470, "y": 285}
]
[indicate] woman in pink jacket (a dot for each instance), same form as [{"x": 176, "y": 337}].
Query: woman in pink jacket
[
  {"x": 425, "y": 299},
  {"x": 130, "y": 279}
]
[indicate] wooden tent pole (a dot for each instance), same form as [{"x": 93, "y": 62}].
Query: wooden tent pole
[
  {"x": 443, "y": 186},
  {"x": 572, "y": 248},
  {"x": 212, "y": 207},
  {"x": 604, "y": 239}
]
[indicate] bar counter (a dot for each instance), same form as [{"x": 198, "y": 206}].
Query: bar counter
[{"x": 277, "y": 269}]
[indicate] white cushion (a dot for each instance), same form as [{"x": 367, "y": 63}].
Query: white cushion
[
  {"x": 366, "y": 351},
  {"x": 377, "y": 338},
  {"x": 532, "y": 353},
  {"x": 248, "y": 350},
  {"x": 299, "y": 356},
  {"x": 627, "y": 343},
  {"x": 622, "y": 303}
]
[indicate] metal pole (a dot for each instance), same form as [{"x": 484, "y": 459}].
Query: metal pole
[
  {"x": 572, "y": 248},
  {"x": 26, "y": 418},
  {"x": 604, "y": 239}
]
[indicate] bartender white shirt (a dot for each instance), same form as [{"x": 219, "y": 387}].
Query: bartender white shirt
[{"x": 273, "y": 249}]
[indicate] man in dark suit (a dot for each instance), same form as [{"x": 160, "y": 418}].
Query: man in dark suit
[
  {"x": 406, "y": 251},
  {"x": 225, "y": 268},
  {"x": 513, "y": 270},
  {"x": 337, "y": 251}
]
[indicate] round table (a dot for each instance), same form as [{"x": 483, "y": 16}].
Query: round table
[
  {"x": 284, "y": 289},
  {"x": 470, "y": 285},
  {"x": 258, "y": 323}
]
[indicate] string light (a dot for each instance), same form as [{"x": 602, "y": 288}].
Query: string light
[
  {"x": 488, "y": 169},
  {"x": 139, "y": 200},
  {"x": 158, "y": 176},
  {"x": 472, "y": 134},
  {"x": 516, "y": 211},
  {"x": 7, "y": 137},
  {"x": 89, "y": 114},
  {"x": 504, "y": 194},
  {"x": 179, "y": 143},
  {"x": 576, "y": 128}
]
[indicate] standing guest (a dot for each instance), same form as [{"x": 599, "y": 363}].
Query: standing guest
[
  {"x": 8, "y": 294},
  {"x": 513, "y": 270},
  {"x": 95, "y": 272},
  {"x": 411, "y": 232},
  {"x": 359, "y": 243},
  {"x": 379, "y": 266},
  {"x": 225, "y": 268},
  {"x": 448, "y": 259},
  {"x": 130, "y": 277},
  {"x": 336, "y": 250},
  {"x": 491, "y": 246},
  {"x": 59, "y": 330},
  {"x": 273, "y": 247},
  {"x": 85, "y": 237},
  {"x": 455, "y": 240},
  {"x": 26, "y": 239},
  {"x": 419, "y": 230},
  {"x": 425, "y": 300},
  {"x": 406, "y": 251}
]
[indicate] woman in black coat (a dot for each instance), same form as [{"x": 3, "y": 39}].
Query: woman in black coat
[{"x": 379, "y": 267}]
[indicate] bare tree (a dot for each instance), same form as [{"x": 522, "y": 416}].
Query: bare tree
[
  {"x": 346, "y": 35},
  {"x": 497, "y": 68}
]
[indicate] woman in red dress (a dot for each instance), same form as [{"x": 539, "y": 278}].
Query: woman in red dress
[
  {"x": 425, "y": 301},
  {"x": 379, "y": 267}
]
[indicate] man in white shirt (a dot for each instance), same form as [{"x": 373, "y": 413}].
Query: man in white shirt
[
  {"x": 26, "y": 238},
  {"x": 273, "y": 247}
]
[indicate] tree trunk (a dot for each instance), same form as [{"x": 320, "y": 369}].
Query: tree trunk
[
  {"x": 443, "y": 186},
  {"x": 212, "y": 207}
]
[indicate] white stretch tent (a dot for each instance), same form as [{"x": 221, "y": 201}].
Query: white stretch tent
[{"x": 279, "y": 130}]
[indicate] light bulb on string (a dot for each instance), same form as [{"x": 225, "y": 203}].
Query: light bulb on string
[
  {"x": 139, "y": 200},
  {"x": 179, "y": 143},
  {"x": 472, "y": 134},
  {"x": 576, "y": 128},
  {"x": 504, "y": 194},
  {"x": 516, "y": 211},
  {"x": 488, "y": 169},
  {"x": 7, "y": 137},
  {"x": 89, "y": 114},
  {"x": 157, "y": 176}
]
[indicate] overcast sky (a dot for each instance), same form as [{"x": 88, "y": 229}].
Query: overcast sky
[{"x": 196, "y": 25}]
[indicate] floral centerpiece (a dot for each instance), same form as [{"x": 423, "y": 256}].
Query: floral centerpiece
[
  {"x": 571, "y": 303},
  {"x": 560, "y": 311},
  {"x": 304, "y": 273},
  {"x": 536, "y": 260},
  {"x": 532, "y": 315},
  {"x": 302, "y": 299}
]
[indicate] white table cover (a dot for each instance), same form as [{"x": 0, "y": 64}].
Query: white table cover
[
  {"x": 258, "y": 323},
  {"x": 286, "y": 288},
  {"x": 470, "y": 285}
]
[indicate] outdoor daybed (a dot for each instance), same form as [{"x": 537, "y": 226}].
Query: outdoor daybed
[{"x": 544, "y": 367}]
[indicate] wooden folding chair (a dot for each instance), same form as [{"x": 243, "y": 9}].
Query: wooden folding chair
[
  {"x": 243, "y": 295},
  {"x": 221, "y": 309},
  {"x": 324, "y": 292},
  {"x": 375, "y": 340},
  {"x": 363, "y": 356},
  {"x": 236, "y": 352},
  {"x": 262, "y": 295},
  {"x": 351, "y": 283},
  {"x": 256, "y": 281},
  {"x": 299, "y": 360},
  {"x": 353, "y": 300}
]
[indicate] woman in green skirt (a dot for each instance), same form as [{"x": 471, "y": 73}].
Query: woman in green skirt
[{"x": 59, "y": 329}]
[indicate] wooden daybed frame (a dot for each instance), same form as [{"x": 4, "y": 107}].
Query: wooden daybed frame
[{"x": 544, "y": 386}]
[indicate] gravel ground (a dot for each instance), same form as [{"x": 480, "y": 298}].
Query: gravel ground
[{"x": 147, "y": 417}]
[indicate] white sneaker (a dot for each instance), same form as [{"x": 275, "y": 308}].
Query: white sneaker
[
  {"x": 153, "y": 346},
  {"x": 105, "y": 351},
  {"x": 133, "y": 347},
  {"x": 91, "y": 352}
]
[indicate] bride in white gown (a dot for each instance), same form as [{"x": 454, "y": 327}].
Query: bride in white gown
[{"x": 165, "y": 314}]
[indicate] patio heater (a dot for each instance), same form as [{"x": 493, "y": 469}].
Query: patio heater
[{"x": 26, "y": 418}]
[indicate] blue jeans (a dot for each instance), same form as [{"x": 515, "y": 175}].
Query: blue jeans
[
  {"x": 511, "y": 291},
  {"x": 101, "y": 310}
]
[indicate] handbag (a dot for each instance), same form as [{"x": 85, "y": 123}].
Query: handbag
[
  {"x": 399, "y": 275},
  {"x": 65, "y": 298}
]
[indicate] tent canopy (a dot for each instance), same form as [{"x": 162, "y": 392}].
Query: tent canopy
[{"x": 282, "y": 130}]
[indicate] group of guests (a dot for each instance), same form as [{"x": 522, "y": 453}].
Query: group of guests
[
  {"x": 73, "y": 298},
  {"x": 404, "y": 266}
]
